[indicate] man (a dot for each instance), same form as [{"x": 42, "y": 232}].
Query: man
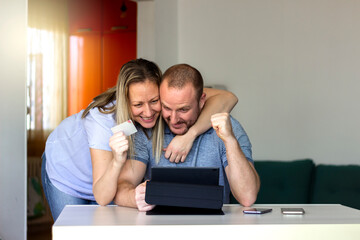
[{"x": 225, "y": 146}]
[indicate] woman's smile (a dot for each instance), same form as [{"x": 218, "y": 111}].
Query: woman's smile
[{"x": 145, "y": 103}]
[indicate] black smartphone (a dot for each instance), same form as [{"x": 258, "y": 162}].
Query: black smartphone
[{"x": 257, "y": 210}]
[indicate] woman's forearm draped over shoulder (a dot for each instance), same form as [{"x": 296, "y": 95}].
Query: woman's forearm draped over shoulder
[{"x": 217, "y": 101}]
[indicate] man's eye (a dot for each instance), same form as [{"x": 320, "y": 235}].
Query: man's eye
[
  {"x": 155, "y": 101},
  {"x": 183, "y": 110}
]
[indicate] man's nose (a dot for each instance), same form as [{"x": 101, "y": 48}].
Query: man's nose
[{"x": 173, "y": 117}]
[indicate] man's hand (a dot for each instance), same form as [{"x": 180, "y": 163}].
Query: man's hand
[
  {"x": 179, "y": 148},
  {"x": 119, "y": 146},
  {"x": 222, "y": 125},
  {"x": 140, "y": 198}
]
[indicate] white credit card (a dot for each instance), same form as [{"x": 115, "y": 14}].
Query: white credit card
[{"x": 127, "y": 128}]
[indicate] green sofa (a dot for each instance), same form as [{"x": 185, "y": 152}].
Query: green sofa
[{"x": 301, "y": 181}]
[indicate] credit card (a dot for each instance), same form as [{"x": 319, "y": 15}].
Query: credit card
[{"x": 127, "y": 128}]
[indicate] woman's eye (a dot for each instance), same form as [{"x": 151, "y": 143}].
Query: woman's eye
[
  {"x": 137, "y": 105},
  {"x": 155, "y": 101}
]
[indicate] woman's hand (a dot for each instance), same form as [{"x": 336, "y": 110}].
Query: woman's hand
[
  {"x": 119, "y": 146},
  {"x": 179, "y": 148}
]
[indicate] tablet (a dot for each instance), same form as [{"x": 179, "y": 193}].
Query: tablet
[
  {"x": 189, "y": 175},
  {"x": 185, "y": 187}
]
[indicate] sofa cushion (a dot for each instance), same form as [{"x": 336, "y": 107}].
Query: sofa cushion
[
  {"x": 337, "y": 184},
  {"x": 283, "y": 181}
]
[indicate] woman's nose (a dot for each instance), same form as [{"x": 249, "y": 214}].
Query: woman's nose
[{"x": 147, "y": 111}]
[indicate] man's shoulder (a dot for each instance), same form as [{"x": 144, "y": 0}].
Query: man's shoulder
[
  {"x": 237, "y": 128},
  {"x": 234, "y": 120},
  {"x": 240, "y": 133},
  {"x": 236, "y": 125},
  {"x": 142, "y": 135}
]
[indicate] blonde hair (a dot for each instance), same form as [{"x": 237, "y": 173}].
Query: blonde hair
[{"x": 135, "y": 71}]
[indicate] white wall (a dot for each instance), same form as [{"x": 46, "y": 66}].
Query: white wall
[
  {"x": 295, "y": 66},
  {"x": 157, "y": 38},
  {"x": 13, "y": 18},
  {"x": 166, "y": 32},
  {"x": 146, "y": 30}
]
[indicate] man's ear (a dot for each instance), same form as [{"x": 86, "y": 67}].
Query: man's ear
[{"x": 202, "y": 100}]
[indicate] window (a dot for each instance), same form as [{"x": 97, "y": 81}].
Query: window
[{"x": 47, "y": 37}]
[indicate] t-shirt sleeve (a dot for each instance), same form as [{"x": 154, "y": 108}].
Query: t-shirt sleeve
[
  {"x": 142, "y": 144},
  {"x": 243, "y": 141},
  {"x": 98, "y": 129}
]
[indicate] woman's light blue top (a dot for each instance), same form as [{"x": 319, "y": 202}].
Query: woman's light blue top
[{"x": 68, "y": 161}]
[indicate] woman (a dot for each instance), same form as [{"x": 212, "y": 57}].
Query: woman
[{"x": 83, "y": 159}]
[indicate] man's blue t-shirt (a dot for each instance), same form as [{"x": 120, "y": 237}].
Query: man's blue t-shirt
[{"x": 208, "y": 151}]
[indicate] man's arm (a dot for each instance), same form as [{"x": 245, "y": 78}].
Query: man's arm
[
  {"x": 129, "y": 192},
  {"x": 242, "y": 176}
]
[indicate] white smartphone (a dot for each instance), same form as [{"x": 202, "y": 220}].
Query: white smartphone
[
  {"x": 292, "y": 211},
  {"x": 257, "y": 210}
]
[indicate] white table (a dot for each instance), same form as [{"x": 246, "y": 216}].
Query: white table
[{"x": 330, "y": 221}]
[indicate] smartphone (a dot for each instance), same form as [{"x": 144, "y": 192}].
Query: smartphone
[
  {"x": 292, "y": 211},
  {"x": 257, "y": 210}
]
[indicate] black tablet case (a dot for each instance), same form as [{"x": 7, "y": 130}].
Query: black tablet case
[{"x": 195, "y": 188}]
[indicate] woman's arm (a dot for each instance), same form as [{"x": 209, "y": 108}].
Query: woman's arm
[
  {"x": 130, "y": 192},
  {"x": 107, "y": 167},
  {"x": 217, "y": 101}
]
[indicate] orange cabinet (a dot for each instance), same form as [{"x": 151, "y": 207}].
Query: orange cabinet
[
  {"x": 118, "y": 48},
  {"x": 84, "y": 16},
  {"x": 102, "y": 38},
  {"x": 116, "y": 19},
  {"x": 84, "y": 70}
]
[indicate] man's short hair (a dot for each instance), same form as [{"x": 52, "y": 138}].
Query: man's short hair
[{"x": 179, "y": 75}]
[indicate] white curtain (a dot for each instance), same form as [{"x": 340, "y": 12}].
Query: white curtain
[{"x": 47, "y": 69}]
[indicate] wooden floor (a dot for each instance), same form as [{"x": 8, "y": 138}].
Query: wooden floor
[
  {"x": 40, "y": 228},
  {"x": 43, "y": 235}
]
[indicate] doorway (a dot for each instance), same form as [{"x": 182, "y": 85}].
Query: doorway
[{"x": 100, "y": 38}]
